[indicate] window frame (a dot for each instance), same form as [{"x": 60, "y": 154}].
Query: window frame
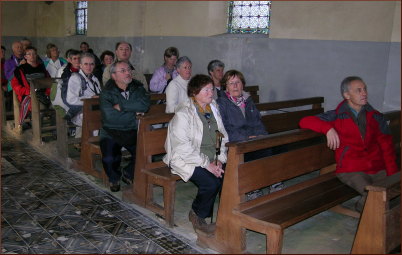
[
  {"x": 249, "y": 30},
  {"x": 79, "y": 31}
]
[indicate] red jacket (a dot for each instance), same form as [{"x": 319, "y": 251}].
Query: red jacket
[
  {"x": 22, "y": 90},
  {"x": 369, "y": 154}
]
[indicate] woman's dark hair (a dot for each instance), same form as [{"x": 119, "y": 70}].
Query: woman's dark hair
[
  {"x": 84, "y": 43},
  {"x": 197, "y": 83},
  {"x": 171, "y": 51},
  {"x": 230, "y": 74},
  {"x": 106, "y": 53}
]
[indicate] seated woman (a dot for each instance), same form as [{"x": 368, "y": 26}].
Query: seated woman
[
  {"x": 241, "y": 118},
  {"x": 166, "y": 73},
  {"x": 176, "y": 92},
  {"x": 82, "y": 85},
  {"x": 106, "y": 58},
  {"x": 191, "y": 152},
  {"x": 30, "y": 70}
]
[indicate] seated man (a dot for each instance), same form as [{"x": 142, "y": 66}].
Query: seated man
[
  {"x": 123, "y": 53},
  {"x": 121, "y": 100},
  {"x": 360, "y": 136}
]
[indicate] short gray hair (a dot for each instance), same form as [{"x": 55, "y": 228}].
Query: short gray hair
[
  {"x": 214, "y": 64},
  {"x": 182, "y": 60},
  {"x": 113, "y": 66},
  {"x": 345, "y": 84},
  {"x": 87, "y": 55}
]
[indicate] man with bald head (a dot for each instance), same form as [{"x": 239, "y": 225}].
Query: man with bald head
[
  {"x": 123, "y": 52},
  {"x": 16, "y": 59}
]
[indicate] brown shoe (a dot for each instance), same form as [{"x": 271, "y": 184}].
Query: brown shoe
[{"x": 200, "y": 224}]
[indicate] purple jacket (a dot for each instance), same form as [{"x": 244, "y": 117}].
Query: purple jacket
[
  {"x": 9, "y": 67},
  {"x": 158, "y": 81}
]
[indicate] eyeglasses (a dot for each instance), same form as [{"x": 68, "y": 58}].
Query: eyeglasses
[
  {"x": 234, "y": 83},
  {"x": 207, "y": 89},
  {"x": 123, "y": 71}
]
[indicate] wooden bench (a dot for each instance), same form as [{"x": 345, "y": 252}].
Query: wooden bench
[
  {"x": 272, "y": 213},
  {"x": 91, "y": 121},
  {"x": 379, "y": 230},
  {"x": 150, "y": 142},
  {"x": 4, "y": 113},
  {"x": 37, "y": 113},
  {"x": 379, "y": 226},
  {"x": 253, "y": 90},
  {"x": 279, "y": 116},
  {"x": 90, "y": 147},
  {"x": 148, "y": 174}
]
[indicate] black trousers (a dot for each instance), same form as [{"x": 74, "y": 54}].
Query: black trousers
[
  {"x": 208, "y": 187},
  {"x": 111, "y": 159}
]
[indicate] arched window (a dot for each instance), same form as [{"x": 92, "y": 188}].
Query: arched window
[
  {"x": 249, "y": 17},
  {"x": 81, "y": 17}
]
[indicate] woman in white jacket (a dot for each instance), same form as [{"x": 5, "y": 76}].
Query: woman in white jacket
[{"x": 191, "y": 151}]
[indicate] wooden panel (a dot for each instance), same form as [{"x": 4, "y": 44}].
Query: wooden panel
[
  {"x": 155, "y": 141},
  {"x": 155, "y": 97},
  {"x": 290, "y": 103},
  {"x": 275, "y": 123},
  {"x": 264, "y": 172},
  {"x": 273, "y": 140},
  {"x": 297, "y": 206}
]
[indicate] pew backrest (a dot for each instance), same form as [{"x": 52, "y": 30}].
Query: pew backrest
[
  {"x": 35, "y": 84},
  {"x": 253, "y": 91},
  {"x": 285, "y": 115}
]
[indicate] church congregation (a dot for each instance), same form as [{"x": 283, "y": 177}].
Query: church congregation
[{"x": 209, "y": 119}]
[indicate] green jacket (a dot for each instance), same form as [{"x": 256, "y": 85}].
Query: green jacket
[{"x": 138, "y": 101}]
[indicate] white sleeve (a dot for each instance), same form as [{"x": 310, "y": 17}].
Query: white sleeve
[
  {"x": 171, "y": 97},
  {"x": 73, "y": 90}
]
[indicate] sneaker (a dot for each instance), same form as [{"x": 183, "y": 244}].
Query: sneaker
[
  {"x": 115, "y": 187},
  {"x": 200, "y": 223},
  {"x": 254, "y": 194},
  {"x": 276, "y": 187}
]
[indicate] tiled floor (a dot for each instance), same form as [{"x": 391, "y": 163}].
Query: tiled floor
[{"x": 47, "y": 209}]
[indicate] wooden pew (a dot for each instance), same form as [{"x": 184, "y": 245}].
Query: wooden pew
[
  {"x": 278, "y": 116},
  {"x": 253, "y": 90},
  {"x": 4, "y": 113},
  {"x": 37, "y": 122},
  {"x": 272, "y": 213},
  {"x": 379, "y": 227},
  {"x": 150, "y": 142},
  {"x": 148, "y": 77},
  {"x": 90, "y": 148},
  {"x": 89, "y": 143}
]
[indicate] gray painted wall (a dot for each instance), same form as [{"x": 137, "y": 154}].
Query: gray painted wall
[{"x": 284, "y": 68}]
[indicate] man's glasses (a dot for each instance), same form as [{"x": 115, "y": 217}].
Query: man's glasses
[{"x": 123, "y": 71}]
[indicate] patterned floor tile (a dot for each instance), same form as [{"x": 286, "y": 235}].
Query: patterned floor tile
[{"x": 50, "y": 210}]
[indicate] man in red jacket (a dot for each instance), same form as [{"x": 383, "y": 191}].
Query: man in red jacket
[{"x": 360, "y": 136}]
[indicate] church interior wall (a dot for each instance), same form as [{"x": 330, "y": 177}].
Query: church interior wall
[{"x": 312, "y": 46}]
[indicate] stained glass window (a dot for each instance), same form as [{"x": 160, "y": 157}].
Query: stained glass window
[
  {"x": 81, "y": 17},
  {"x": 249, "y": 17}
]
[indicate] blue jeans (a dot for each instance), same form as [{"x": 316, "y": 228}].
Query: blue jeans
[
  {"x": 208, "y": 187},
  {"x": 111, "y": 159}
]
